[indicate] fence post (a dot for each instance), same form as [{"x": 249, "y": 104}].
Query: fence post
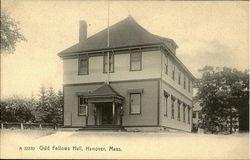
[
  {"x": 40, "y": 126},
  {"x": 21, "y": 125},
  {"x": 1, "y": 125}
]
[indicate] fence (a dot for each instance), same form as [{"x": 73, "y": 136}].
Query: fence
[{"x": 17, "y": 125}]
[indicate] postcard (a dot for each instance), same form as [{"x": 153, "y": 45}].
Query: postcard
[{"x": 124, "y": 79}]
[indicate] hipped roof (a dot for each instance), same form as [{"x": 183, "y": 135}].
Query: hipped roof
[
  {"x": 126, "y": 33},
  {"x": 104, "y": 91},
  {"x": 122, "y": 34}
]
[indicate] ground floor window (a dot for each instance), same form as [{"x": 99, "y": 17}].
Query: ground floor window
[
  {"x": 194, "y": 115},
  {"x": 172, "y": 108},
  {"x": 135, "y": 103},
  {"x": 179, "y": 105},
  {"x": 82, "y": 107},
  {"x": 184, "y": 114},
  {"x": 188, "y": 115},
  {"x": 166, "y": 95}
]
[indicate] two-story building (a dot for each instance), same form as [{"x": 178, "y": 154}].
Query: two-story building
[{"x": 146, "y": 86}]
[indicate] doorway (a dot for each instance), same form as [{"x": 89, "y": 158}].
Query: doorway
[
  {"x": 104, "y": 114},
  {"x": 107, "y": 115}
]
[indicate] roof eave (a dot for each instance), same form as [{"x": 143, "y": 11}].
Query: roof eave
[{"x": 62, "y": 54}]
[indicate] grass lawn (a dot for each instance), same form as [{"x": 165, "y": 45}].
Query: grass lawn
[{"x": 99, "y": 144}]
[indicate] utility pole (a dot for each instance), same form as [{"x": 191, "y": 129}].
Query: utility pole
[{"x": 108, "y": 45}]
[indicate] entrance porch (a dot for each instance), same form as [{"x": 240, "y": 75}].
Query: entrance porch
[
  {"x": 104, "y": 107},
  {"x": 107, "y": 113}
]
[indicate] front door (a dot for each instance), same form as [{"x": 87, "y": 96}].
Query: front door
[{"x": 107, "y": 116}]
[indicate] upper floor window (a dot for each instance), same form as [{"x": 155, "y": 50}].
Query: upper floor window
[
  {"x": 111, "y": 63},
  {"x": 173, "y": 72},
  {"x": 83, "y": 65},
  {"x": 166, "y": 64},
  {"x": 82, "y": 106},
  {"x": 135, "y": 61},
  {"x": 179, "y": 78},
  {"x": 135, "y": 103},
  {"x": 189, "y": 86},
  {"x": 184, "y": 83}
]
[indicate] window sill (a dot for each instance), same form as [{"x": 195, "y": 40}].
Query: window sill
[
  {"x": 134, "y": 113},
  {"x": 81, "y": 74},
  {"x": 135, "y": 70},
  {"x": 107, "y": 72}
]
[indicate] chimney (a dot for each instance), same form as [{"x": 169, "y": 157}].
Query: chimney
[{"x": 82, "y": 31}]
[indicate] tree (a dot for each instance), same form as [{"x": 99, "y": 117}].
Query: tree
[
  {"x": 10, "y": 33},
  {"x": 49, "y": 107},
  {"x": 16, "y": 109},
  {"x": 224, "y": 96}
]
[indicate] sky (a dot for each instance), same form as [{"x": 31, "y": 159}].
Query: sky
[{"x": 207, "y": 33}]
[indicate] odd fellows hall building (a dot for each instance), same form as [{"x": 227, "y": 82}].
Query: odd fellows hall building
[{"x": 146, "y": 86}]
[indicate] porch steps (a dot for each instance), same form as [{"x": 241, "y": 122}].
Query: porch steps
[{"x": 102, "y": 128}]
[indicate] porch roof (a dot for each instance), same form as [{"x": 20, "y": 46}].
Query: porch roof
[{"x": 104, "y": 93}]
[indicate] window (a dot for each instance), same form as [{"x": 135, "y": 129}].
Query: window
[
  {"x": 83, "y": 66},
  {"x": 179, "y": 78},
  {"x": 166, "y": 64},
  {"x": 111, "y": 62},
  {"x": 184, "y": 83},
  {"x": 172, "y": 108},
  {"x": 184, "y": 114},
  {"x": 135, "y": 61},
  {"x": 135, "y": 103},
  {"x": 82, "y": 109},
  {"x": 179, "y": 105},
  {"x": 166, "y": 95},
  {"x": 173, "y": 72},
  {"x": 199, "y": 115},
  {"x": 189, "y": 85},
  {"x": 194, "y": 115},
  {"x": 188, "y": 115}
]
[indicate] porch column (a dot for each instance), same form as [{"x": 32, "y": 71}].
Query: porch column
[
  {"x": 121, "y": 114},
  {"x": 87, "y": 114},
  {"x": 95, "y": 115},
  {"x": 113, "y": 109}
]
